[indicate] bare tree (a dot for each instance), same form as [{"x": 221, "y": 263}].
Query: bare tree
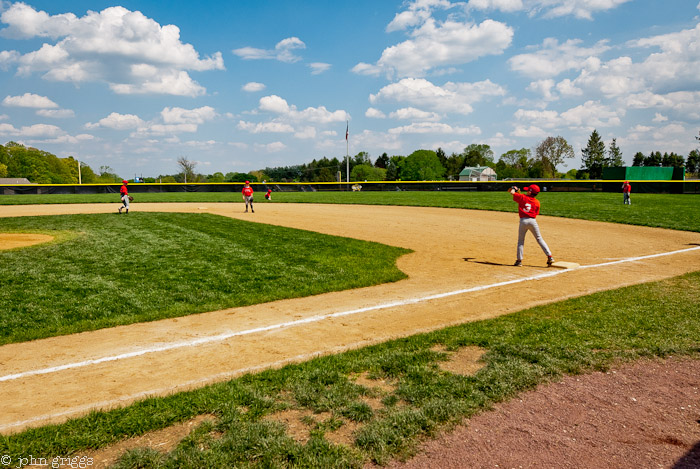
[{"x": 187, "y": 168}]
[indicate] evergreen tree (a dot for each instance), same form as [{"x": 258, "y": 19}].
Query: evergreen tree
[
  {"x": 382, "y": 161},
  {"x": 593, "y": 156},
  {"x": 615, "y": 155},
  {"x": 654, "y": 159},
  {"x": 638, "y": 159}
]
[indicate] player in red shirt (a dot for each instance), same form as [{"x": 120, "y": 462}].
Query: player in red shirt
[
  {"x": 626, "y": 190},
  {"x": 268, "y": 196},
  {"x": 124, "y": 194},
  {"x": 528, "y": 209},
  {"x": 248, "y": 196}
]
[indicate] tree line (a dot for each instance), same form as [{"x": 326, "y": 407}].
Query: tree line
[
  {"x": 18, "y": 161},
  {"x": 42, "y": 167}
]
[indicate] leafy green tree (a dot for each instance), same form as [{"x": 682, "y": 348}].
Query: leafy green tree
[
  {"x": 3, "y": 170},
  {"x": 366, "y": 172},
  {"x": 394, "y": 167},
  {"x": 692, "y": 163},
  {"x": 240, "y": 177},
  {"x": 550, "y": 153},
  {"x": 454, "y": 165},
  {"x": 87, "y": 175},
  {"x": 326, "y": 175},
  {"x": 216, "y": 177},
  {"x": 422, "y": 165},
  {"x": 614, "y": 155},
  {"x": 593, "y": 156},
  {"x": 478, "y": 155}
]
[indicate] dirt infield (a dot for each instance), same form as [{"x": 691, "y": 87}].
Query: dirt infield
[{"x": 460, "y": 271}]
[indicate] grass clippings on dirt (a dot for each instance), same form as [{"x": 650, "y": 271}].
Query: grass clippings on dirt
[{"x": 523, "y": 350}]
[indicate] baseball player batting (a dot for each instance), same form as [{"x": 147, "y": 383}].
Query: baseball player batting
[{"x": 528, "y": 209}]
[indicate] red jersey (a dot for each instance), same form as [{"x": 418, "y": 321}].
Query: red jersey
[
  {"x": 247, "y": 191},
  {"x": 626, "y": 187},
  {"x": 123, "y": 191},
  {"x": 528, "y": 207}
]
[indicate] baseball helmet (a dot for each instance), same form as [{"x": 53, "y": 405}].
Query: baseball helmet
[{"x": 534, "y": 188}]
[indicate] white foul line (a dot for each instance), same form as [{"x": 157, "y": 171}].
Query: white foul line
[{"x": 312, "y": 319}]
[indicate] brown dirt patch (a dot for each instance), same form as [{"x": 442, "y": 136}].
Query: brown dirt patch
[
  {"x": 164, "y": 441},
  {"x": 299, "y": 423},
  {"x": 640, "y": 415},
  {"x": 464, "y": 361},
  {"x": 21, "y": 240},
  {"x": 384, "y": 386}
]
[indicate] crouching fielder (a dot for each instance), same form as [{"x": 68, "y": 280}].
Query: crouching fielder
[{"x": 528, "y": 209}]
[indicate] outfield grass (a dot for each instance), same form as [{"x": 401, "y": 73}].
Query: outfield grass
[
  {"x": 674, "y": 211},
  {"x": 105, "y": 270},
  {"x": 523, "y": 350}
]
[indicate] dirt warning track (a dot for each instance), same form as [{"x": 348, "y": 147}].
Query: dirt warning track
[{"x": 460, "y": 271}]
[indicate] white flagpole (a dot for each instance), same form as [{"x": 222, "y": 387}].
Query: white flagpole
[{"x": 347, "y": 152}]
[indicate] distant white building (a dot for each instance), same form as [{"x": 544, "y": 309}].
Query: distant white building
[{"x": 477, "y": 173}]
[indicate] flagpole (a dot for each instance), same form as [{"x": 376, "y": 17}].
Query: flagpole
[{"x": 347, "y": 152}]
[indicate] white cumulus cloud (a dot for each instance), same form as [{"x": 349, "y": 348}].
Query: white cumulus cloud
[
  {"x": 553, "y": 58},
  {"x": 29, "y": 100},
  {"x": 125, "y": 49},
  {"x": 117, "y": 121},
  {"x": 451, "y": 97},
  {"x": 252, "y": 87}
]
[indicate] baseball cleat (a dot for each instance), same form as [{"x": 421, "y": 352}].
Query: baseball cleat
[
  {"x": 550, "y": 261},
  {"x": 518, "y": 263}
]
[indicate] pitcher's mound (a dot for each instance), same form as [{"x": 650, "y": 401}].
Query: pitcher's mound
[
  {"x": 565, "y": 265},
  {"x": 20, "y": 240}
]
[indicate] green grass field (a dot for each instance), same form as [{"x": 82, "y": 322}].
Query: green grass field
[
  {"x": 674, "y": 211},
  {"x": 105, "y": 270},
  {"x": 522, "y": 349}
]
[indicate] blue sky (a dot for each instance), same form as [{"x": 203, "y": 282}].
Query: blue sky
[{"x": 243, "y": 85}]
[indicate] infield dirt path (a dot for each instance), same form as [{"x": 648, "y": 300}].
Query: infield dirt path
[{"x": 455, "y": 250}]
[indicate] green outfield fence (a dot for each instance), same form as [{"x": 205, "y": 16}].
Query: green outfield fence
[{"x": 691, "y": 186}]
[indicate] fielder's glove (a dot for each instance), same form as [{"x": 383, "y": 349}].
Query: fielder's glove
[{"x": 131, "y": 199}]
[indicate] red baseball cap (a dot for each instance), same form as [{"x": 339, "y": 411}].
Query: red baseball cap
[
  {"x": 124, "y": 181},
  {"x": 534, "y": 188}
]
